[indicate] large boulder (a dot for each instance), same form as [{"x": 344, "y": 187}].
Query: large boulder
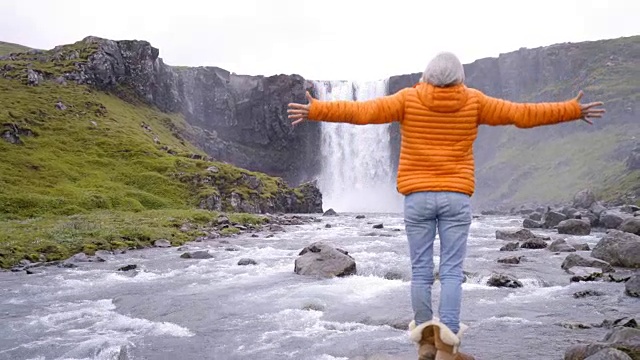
[
  {"x": 609, "y": 354},
  {"x": 573, "y": 260},
  {"x": 535, "y": 243},
  {"x": 631, "y": 225},
  {"x": 561, "y": 245},
  {"x": 574, "y": 227},
  {"x": 322, "y": 260},
  {"x": 584, "y": 199},
  {"x": 597, "y": 209},
  {"x": 625, "y": 339},
  {"x": 610, "y": 220},
  {"x": 619, "y": 249},
  {"x": 531, "y": 224},
  {"x": 632, "y": 286},
  {"x": 551, "y": 219}
]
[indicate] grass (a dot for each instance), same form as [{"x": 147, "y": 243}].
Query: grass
[
  {"x": 58, "y": 237},
  {"x": 7, "y": 48},
  {"x": 103, "y": 173}
]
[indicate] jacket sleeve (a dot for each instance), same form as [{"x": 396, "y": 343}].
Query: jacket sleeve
[
  {"x": 377, "y": 111},
  {"x": 526, "y": 115}
]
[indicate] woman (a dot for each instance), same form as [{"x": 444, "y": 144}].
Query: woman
[{"x": 439, "y": 119}]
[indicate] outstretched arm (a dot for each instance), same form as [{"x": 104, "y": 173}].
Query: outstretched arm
[
  {"x": 527, "y": 115},
  {"x": 377, "y": 111}
]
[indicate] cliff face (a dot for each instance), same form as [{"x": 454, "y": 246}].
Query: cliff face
[
  {"x": 548, "y": 164},
  {"x": 239, "y": 119}
]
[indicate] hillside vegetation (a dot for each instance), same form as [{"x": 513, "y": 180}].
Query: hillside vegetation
[
  {"x": 83, "y": 170},
  {"x": 7, "y": 48}
]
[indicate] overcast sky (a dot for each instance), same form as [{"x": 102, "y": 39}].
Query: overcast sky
[{"x": 324, "y": 39}]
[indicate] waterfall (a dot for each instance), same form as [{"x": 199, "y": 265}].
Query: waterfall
[{"x": 357, "y": 173}]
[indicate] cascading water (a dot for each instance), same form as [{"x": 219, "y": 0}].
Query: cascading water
[{"x": 357, "y": 173}]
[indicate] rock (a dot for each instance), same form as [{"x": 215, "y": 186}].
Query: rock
[
  {"x": 223, "y": 220},
  {"x": 502, "y": 280},
  {"x": 619, "y": 249},
  {"x": 328, "y": 226},
  {"x": 596, "y": 276},
  {"x": 574, "y": 325},
  {"x": 610, "y": 220},
  {"x": 632, "y": 286},
  {"x": 531, "y": 224},
  {"x": 629, "y": 209},
  {"x": 597, "y": 209},
  {"x": 621, "y": 322},
  {"x": 510, "y": 260},
  {"x": 581, "y": 247},
  {"x": 322, "y": 260},
  {"x": 609, "y": 354},
  {"x": 574, "y": 227},
  {"x": 197, "y": 255},
  {"x": 535, "y": 216},
  {"x": 619, "y": 276},
  {"x": 520, "y": 235},
  {"x": 247, "y": 261},
  {"x": 561, "y": 245},
  {"x": 61, "y": 106},
  {"x": 573, "y": 260},
  {"x": 587, "y": 293},
  {"x": 360, "y": 217},
  {"x": 128, "y": 267},
  {"x": 512, "y": 246},
  {"x": 230, "y": 249},
  {"x": 536, "y": 243},
  {"x": 34, "y": 271},
  {"x": 551, "y": 219},
  {"x": 584, "y": 199},
  {"x": 378, "y": 226},
  {"x": 631, "y": 225},
  {"x": 276, "y": 228},
  {"x": 330, "y": 212},
  {"x": 255, "y": 235},
  {"x": 162, "y": 243},
  {"x": 592, "y": 218},
  {"x": 394, "y": 275}
]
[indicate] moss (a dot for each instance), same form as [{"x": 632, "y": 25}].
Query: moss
[{"x": 229, "y": 231}]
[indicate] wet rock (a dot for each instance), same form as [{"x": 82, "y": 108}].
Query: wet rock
[
  {"x": 503, "y": 280},
  {"x": 551, "y": 219},
  {"x": 512, "y": 246},
  {"x": 536, "y": 243},
  {"x": 573, "y": 260},
  {"x": 103, "y": 255},
  {"x": 276, "y": 228},
  {"x": 360, "y": 217},
  {"x": 560, "y": 245},
  {"x": 631, "y": 225},
  {"x": 33, "y": 271},
  {"x": 328, "y": 226},
  {"x": 619, "y": 249},
  {"x": 621, "y": 322},
  {"x": 231, "y": 249},
  {"x": 609, "y": 354},
  {"x": 629, "y": 209},
  {"x": 162, "y": 243},
  {"x": 592, "y": 218},
  {"x": 531, "y": 224},
  {"x": 255, "y": 235},
  {"x": 632, "y": 286},
  {"x": 597, "y": 209},
  {"x": 581, "y": 247},
  {"x": 574, "y": 227},
  {"x": 313, "y": 307},
  {"x": 520, "y": 235},
  {"x": 378, "y": 226},
  {"x": 247, "y": 261},
  {"x": 587, "y": 293},
  {"x": 510, "y": 260},
  {"x": 197, "y": 255},
  {"x": 596, "y": 276},
  {"x": 330, "y": 212},
  {"x": 128, "y": 267},
  {"x": 619, "y": 276},
  {"x": 322, "y": 260},
  {"x": 574, "y": 325},
  {"x": 584, "y": 199},
  {"x": 535, "y": 216},
  {"x": 394, "y": 275},
  {"x": 610, "y": 220}
]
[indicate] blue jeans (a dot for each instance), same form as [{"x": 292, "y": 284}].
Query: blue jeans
[{"x": 450, "y": 213}]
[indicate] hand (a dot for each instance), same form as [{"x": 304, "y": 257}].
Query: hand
[
  {"x": 587, "y": 110},
  {"x": 300, "y": 112}
]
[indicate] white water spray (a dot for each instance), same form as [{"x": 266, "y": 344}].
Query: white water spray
[{"x": 357, "y": 175}]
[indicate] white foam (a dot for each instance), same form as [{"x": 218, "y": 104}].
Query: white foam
[
  {"x": 509, "y": 320},
  {"x": 527, "y": 295}
]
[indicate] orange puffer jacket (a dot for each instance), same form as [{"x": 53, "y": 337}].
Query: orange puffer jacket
[{"x": 438, "y": 127}]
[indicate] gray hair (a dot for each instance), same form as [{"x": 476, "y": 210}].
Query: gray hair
[{"x": 444, "y": 70}]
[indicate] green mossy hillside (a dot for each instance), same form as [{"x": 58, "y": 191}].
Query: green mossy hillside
[{"x": 7, "y": 48}]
